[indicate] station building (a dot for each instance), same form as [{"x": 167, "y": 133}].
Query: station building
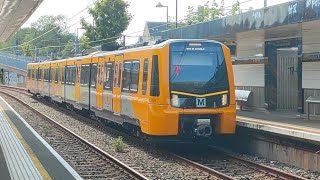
[{"x": 276, "y": 52}]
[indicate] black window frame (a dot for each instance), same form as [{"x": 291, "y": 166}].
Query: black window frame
[
  {"x": 85, "y": 70},
  {"x": 109, "y": 68},
  {"x": 56, "y": 75},
  {"x": 136, "y": 83},
  {"x": 63, "y": 75},
  {"x": 154, "y": 85},
  {"x": 145, "y": 72},
  {"x": 93, "y": 72},
  {"x": 126, "y": 76}
]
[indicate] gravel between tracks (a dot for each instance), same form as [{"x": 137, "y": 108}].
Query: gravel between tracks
[{"x": 148, "y": 161}]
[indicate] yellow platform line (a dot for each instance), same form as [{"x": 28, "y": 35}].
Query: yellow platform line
[
  {"x": 277, "y": 124},
  {"x": 45, "y": 175}
]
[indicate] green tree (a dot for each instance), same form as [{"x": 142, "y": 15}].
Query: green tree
[
  {"x": 235, "y": 9},
  {"x": 56, "y": 33},
  {"x": 53, "y": 31},
  {"x": 68, "y": 50},
  {"x": 111, "y": 18},
  {"x": 84, "y": 43},
  {"x": 206, "y": 12},
  {"x": 28, "y": 47}
]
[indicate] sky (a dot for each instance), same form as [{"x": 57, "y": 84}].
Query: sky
[{"x": 142, "y": 11}]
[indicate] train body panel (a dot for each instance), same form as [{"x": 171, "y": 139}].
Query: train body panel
[{"x": 180, "y": 88}]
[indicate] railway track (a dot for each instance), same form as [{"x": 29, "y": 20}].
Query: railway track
[
  {"x": 229, "y": 165},
  {"x": 87, "y": 159},
  {"x": 221, "y": 164}
]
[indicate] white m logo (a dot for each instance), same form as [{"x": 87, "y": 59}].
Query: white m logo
[{"x": 201, "y": 102}]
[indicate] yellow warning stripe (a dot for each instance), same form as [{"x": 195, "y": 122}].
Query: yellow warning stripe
[
  {"x": 198, "y": 95},
  {"x": 281, "y": 125},
  {"x": 33, "y": 157}
]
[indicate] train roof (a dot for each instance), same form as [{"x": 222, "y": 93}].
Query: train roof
[{"x": 106, "y": 53}]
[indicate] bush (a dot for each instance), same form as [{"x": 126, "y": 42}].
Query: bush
[{"x": 118, "y": 144}]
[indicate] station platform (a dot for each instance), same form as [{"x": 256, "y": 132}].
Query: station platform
[
  {"x": 24, "y": 154},
  {"x": 282, "y": 123}
]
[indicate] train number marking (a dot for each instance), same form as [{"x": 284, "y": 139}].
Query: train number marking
[{"x": 201, "y": 102}]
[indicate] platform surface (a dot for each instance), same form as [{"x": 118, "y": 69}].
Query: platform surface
[
  {"x": 24, "y": 154},
  {"x": 283, "y": 123}
]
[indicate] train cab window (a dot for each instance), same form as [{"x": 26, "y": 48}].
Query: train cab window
[
  {"x": 29, "y": 73},
  {"x": 135, "y": 76},
  {"x": 154, "y": 88},
  {"x": 126, "y": 76},
  {"x": 108, "y": 76},
  {"x": 145, "y": 77},
  {"x": 93, "y": 75}
]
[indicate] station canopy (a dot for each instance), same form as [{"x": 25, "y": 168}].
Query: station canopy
[{"x": 13, "y": 13}]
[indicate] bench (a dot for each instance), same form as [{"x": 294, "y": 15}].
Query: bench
[
  {"x": 242, "y": 96},
  {"x": 312, "y": 100}
]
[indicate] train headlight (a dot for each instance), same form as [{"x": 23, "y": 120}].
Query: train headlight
[
  {"x": 175, "y": 101},
  {"x": 224, "y": 99}
]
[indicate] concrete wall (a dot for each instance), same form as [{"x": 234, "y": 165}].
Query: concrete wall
[
  {"x": 251, "y": 77},
  {"x": 250, "y": 43},
  {"x": 311, "y": 83},
  {"x": 311, "y": 37}
]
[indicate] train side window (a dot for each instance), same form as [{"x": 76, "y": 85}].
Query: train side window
[
  {"x": 116, "y": 71},
  {"x": 63, "y": 75},
  {"x": 73, "y": 79},
  {"x": 135, "y": 76},
  {"x": 49, "y": 74},
  {"x": 145, "y": 77},
  {"x": 154, "y": 88},
  {"x": 108, "y": 76},
  {"x": 119, "y": 74},
  {"x": 68, "y": 75},
  {"x": 126, "y": 76},
  {"x": 56, "y": 75},
  {"x": 93, "y": 75}
]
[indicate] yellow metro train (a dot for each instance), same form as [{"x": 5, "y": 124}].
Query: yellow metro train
[{"x": 178, "y": 89}]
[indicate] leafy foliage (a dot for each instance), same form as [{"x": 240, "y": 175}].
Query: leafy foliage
[
  {"x": 235, "y": 9},
  {"x": 55, "y": 32},
  {"x": 111, "y": 18},
  {"x": 84, "y": 43},
  {"x": 209, "y": 11}
]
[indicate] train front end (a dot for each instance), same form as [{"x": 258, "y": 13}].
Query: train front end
[{"x": 199, "y": 80}]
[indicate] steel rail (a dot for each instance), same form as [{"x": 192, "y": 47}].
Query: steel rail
[
  {"x": 128, "y": 169},
  {"x": 273, "y": 171}
]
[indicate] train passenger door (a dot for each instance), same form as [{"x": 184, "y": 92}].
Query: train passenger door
[
  {"x": 77, "y": 84},
  {"x": 116, "y": 103},
  {"x": 100, "y": 81}
]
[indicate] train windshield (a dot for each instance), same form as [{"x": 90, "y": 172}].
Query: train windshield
[{"x": 197, "y": 68}]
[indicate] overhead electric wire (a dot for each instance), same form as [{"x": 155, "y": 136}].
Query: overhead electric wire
[
  {"x": 97, "y": 40},
  {"x": 52, "y": 28}
]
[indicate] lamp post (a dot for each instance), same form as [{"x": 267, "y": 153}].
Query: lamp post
[
  {"x": 176, "y": 13},
  {"x": 77, "y": 43},
  {"x": 93, "y": 32},
  {"x": 159, "y": 5}
]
